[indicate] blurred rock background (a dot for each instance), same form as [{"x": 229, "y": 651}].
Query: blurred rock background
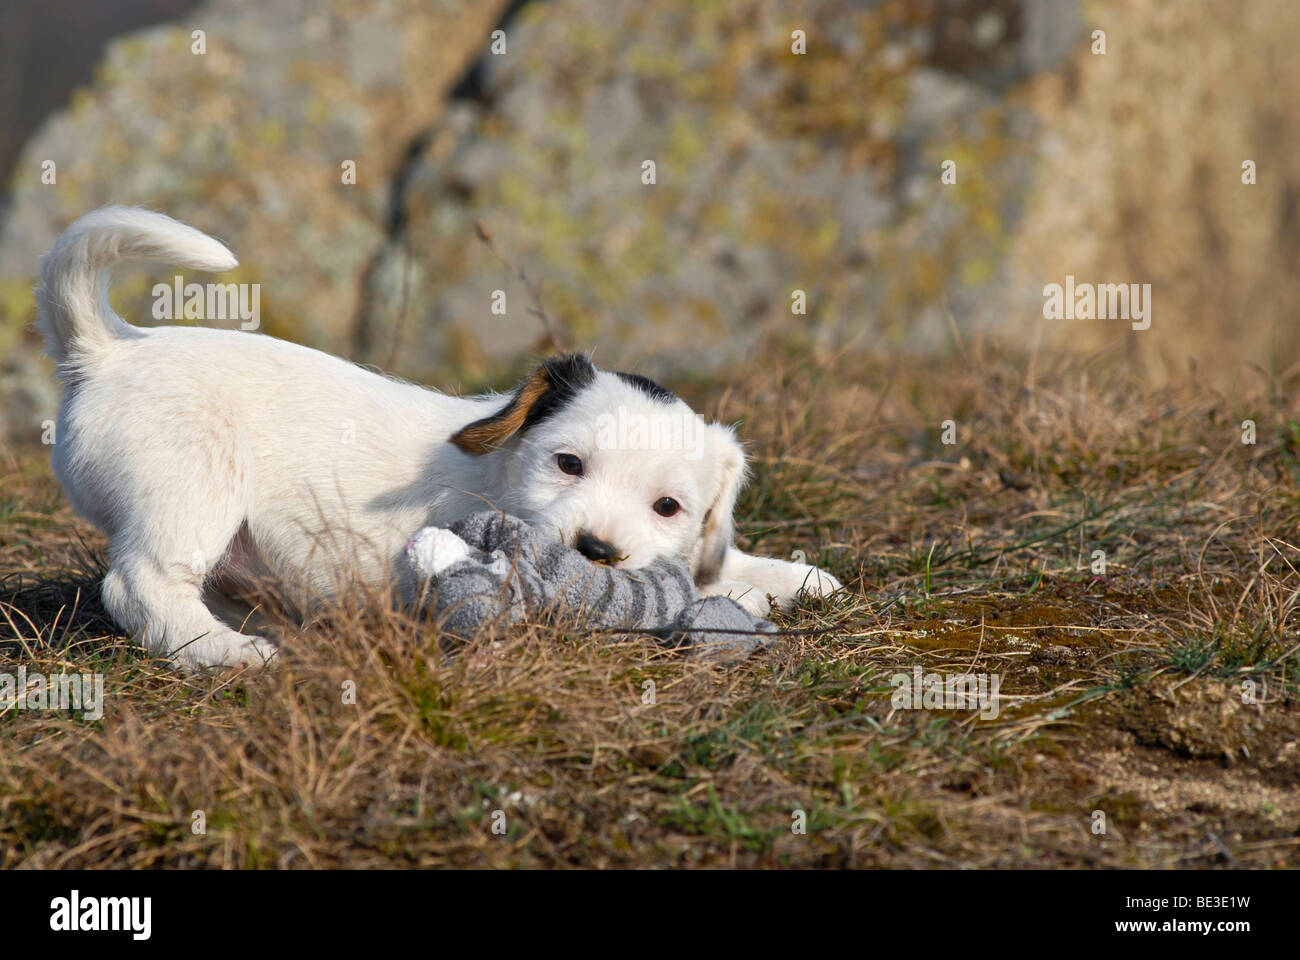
[{"x": 774, "y": 172}]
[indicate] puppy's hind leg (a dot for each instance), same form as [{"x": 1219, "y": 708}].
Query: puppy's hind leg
[
  {"x": 161, "y": 557},
  {"x": 162, "y": 605}
]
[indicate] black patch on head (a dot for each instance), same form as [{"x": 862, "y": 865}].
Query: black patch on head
[
  {"x": 566, "y": 375},
  {"x": 647, "y": 386},
  {"x": 553, "y": 385}
]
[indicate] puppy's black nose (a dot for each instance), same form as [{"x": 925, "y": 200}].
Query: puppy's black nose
[{"x": 594, "y": 548}]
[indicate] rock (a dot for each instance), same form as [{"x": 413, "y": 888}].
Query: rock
[
  {"x": 246, "y": 142},
  {"x": 774, "y": 173},
  {"x": 779, "y": 177}
]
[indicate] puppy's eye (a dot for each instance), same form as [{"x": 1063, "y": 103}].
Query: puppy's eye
[
  {"x": 666, "y": 506},
  {"x": 569, "y": 464}
]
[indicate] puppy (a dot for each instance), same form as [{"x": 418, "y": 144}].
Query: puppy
[{"x": 214, "y": 459}]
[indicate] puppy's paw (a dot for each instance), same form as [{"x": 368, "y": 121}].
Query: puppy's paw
[
  {"x": 799, "y": 580},
  {"x": 818, "y": 583},
  {"x": 781, "y": 580},
  {"x": 434, "y": 549},
  {"x": 750, "y": 598},
  {"x": 226, "y": 652}
]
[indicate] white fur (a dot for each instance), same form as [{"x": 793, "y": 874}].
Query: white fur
[{"x": 213, "y": 459}]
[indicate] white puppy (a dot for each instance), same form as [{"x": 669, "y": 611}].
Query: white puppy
[{"x": 216, "y": 459}]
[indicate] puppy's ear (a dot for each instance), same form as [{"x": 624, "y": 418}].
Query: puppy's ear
[
  {"x": 554, "y": 384},
  {"x": 729, "y": 477}
]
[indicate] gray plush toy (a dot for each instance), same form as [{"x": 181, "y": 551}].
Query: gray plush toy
[{"x": 495, "y": 567}]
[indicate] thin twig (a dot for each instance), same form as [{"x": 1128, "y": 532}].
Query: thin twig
[{"x": 559, "y": 338}]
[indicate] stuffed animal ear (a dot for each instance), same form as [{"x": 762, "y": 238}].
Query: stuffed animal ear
[
  {"x": 716, "y": 531},
  {"x": 556, "y": 381}
]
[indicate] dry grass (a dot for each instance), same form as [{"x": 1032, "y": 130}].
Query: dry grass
[{"x": 1122, "y": 691}]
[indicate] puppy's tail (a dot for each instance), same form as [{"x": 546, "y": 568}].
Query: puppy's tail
[{"x": 76, "y": 319}]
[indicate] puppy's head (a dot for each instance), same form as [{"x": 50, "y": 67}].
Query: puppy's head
[{"x": 622, "y": 467}]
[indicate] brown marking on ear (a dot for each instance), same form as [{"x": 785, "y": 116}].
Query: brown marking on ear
[{"x": 484, "y": 436}]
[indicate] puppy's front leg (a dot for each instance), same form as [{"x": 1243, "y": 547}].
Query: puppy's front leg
[
  {"x": 747, "y": 595},
  {"x": 766, "y": 577}
]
